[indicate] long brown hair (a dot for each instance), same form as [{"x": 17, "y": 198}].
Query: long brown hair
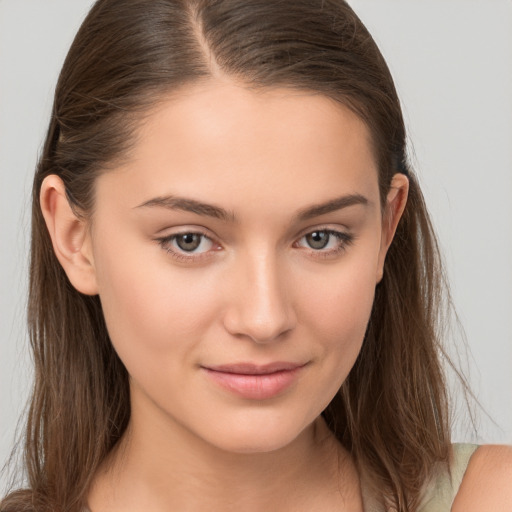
[{"x": 391, "y": 412}]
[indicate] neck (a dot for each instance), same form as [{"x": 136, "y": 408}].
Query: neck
[{"x": 159, "y": 468}]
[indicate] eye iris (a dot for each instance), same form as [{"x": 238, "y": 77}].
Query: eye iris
[
  {"x": 318, "y": 239},
  {"x": 188, "y": 241}
]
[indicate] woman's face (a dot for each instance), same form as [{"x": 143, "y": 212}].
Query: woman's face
[{"x": 236, "y": 255}]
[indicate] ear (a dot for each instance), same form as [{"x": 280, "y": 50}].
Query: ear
[
  {"x": 393, "y": 210},
  {"x": 69, "y": 234}
]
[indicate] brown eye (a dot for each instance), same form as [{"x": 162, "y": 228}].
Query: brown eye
[{"x": 318, "y": 239}]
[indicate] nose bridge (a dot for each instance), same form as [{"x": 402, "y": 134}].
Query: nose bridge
[{"x": 260, "y": 308}]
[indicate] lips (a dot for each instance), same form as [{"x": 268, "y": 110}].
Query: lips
[{"x": 255, "y": 382}]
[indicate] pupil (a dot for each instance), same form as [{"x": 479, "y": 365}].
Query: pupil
[
  {"x": 317, "y": 239},
  {"x": 188, "y": 241}
]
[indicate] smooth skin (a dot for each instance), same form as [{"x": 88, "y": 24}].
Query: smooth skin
[{"x": 244, "y": 226}]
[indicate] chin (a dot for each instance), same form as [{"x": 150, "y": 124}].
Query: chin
[
  {"x": 253, "y": 437},
  {"x": 255, "y": 446}
]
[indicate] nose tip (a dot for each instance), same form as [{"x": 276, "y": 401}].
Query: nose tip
[
  {"x": 261, "y": 309},
  {"x": 262, "y": 321},
  {"x": 261, "y": 328}
]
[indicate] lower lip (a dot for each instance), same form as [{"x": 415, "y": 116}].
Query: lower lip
[{"x": 255, "y": 387}]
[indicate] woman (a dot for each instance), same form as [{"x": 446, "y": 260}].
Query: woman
[{"x": 234, "y": 281}]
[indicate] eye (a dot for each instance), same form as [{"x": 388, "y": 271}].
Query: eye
[
  {"x": 318, "y": 239},
  {"x": 187, "y": 245},
  {"x": 325, "y": 241},
  {"x": 191, "y": 242}
]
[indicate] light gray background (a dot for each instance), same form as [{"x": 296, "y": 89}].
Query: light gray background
[{"x": 451, "y": 60}]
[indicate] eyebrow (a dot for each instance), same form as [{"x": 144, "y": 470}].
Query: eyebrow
[
  {"x": 210, "y": 210},
  {"x": 189, "y": 205},
  {"x": 331, "y": 206}
]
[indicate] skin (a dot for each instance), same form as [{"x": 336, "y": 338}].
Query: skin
[
  {"x": 253, "y": 291},
  {"x": 486, "y": 484}
]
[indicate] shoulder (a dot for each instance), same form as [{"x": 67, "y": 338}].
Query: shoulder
[{"x": 487, "y": 483}]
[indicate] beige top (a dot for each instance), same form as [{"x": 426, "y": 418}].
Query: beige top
[{"x": 440, "y": 493}]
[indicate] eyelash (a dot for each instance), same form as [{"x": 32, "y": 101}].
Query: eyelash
[
  {"x": 344, "y": 240},
  {"x": 165, "y": 243}
]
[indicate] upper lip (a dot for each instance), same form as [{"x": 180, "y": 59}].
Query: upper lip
[{"x": 255, "y": 369}]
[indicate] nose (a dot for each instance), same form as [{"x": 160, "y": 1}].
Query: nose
[{"x": 259, "y": 302}]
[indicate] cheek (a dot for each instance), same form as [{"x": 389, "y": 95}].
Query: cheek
[
  {"x": 153, "y": 306},
  {"x": 340, "y": 301},
  {"x": 336, "y": 311}
]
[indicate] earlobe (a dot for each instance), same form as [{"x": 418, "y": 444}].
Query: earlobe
[
  {"x": 69, "y": 235},
  {"x": 393, "y": 210}
]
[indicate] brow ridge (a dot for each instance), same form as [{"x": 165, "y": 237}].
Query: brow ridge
[
  {"x": 191, "y": 205},
  {"x": 331, "y": 206}
]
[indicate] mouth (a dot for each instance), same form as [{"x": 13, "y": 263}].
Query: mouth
[{"x": 255, "y": 382}]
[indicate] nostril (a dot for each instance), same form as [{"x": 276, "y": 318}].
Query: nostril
[
  {"x": 258, "y": 303},
  {"x": 263, "y": 325}
]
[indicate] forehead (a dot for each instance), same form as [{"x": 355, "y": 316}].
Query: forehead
[{"x": 231, "y": 141}]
